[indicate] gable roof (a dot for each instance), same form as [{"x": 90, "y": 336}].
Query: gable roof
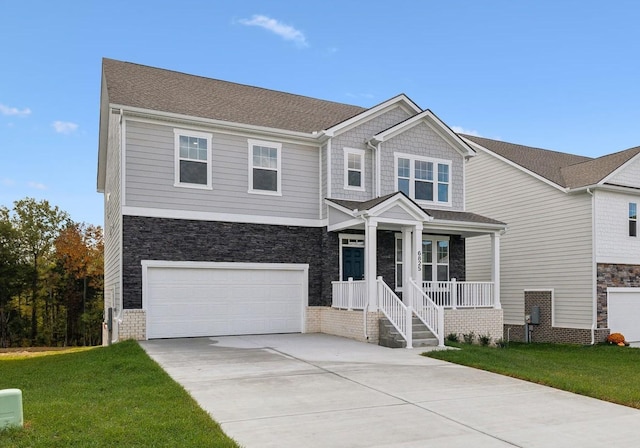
[
  {"x": 151, "y": 88},
  {"x": 565, "y": 170}
]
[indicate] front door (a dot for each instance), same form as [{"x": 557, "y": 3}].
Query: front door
[{"x": 352, "y": 263}]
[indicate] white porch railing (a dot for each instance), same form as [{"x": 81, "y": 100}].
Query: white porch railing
[
  {"x": 349, "y": 295},
  {"x": 456, "y": 294},
  {"x": 427, "y": 310},
  {"x": 397, "y": 312}
]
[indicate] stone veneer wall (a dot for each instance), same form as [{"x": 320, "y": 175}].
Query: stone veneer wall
[
  {"x": 545, "y": 332},
  {"x": 481, "y": 321},
  {"x": 133, "y": 325},
  {"x": 614, "y": 276},
  {"x": 188, "y": 240},
  {"x": 345, "y": 323}
]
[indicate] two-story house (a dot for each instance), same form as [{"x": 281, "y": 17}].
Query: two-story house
[
  {"x": 232, "y": 209},
  {"x": 572, "y": 251}
]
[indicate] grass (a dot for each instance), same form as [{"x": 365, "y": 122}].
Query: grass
[
  {"x": 606, "y": 372},
  {"x": 104, "y": 397}
]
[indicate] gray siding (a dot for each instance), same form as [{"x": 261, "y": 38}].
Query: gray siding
[
  {"x": 548, "y": 243},
  {"x": 112, "y": 216},
  {"x": 323, "y": 180},
  {"x": 356, "y": 138},
  {"x": 422, "y": 140},
  {"x": 150, "y": 176}
]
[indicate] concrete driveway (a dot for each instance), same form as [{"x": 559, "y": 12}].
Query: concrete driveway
[{"x": 316, "y": 390}]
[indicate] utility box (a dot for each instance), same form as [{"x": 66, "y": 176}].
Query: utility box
[
  {"x": 535, "y": 315},
  {"x": 11, "y": 408}
]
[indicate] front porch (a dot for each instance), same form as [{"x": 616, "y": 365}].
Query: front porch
[{"x": 423, "y": 266}]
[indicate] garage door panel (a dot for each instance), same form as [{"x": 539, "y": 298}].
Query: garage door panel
[
  {"x": 624, "y": 312},
  {"x": 184, "y": 302}
]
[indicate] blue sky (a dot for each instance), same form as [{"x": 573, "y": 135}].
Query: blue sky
[{"x": 561, "y": 75}]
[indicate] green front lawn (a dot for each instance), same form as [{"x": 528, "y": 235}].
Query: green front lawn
[
  {"x": 104, "y": 397},
  {"x": 606, "y": 372}
]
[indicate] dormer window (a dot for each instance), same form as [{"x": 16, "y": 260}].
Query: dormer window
[
  {"x": 353, "y": 169},
  {"x": 423, "y": 179}
]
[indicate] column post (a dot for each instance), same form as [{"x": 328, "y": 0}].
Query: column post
[
  {"x": 495, "y": 268},
  {"x": 416, "y": 262},
  {"x": 407, "y": 259},
  {"x": 370, "y": 264}
]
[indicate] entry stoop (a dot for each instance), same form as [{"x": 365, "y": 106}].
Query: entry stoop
[{"x": 389, "y": 336}]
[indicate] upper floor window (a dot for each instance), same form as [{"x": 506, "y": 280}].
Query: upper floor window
[
  {"x": 424, "y": 179},
  {"x": 192, "y": 159},
  {"x": 633, "y": 219},
  {"x": 353, "y": 169},
  {"x": 265, "y": 176}
]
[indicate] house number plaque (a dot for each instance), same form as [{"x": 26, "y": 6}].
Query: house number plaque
[{"x": 419, "y": 260}]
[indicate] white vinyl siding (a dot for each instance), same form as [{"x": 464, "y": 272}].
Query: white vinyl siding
[
  {"x": 548, "y": 243},
  {"x": 628, "y": 176},
  {"x": 150, "y": 176},
  {"x": 613, "y": 243}
]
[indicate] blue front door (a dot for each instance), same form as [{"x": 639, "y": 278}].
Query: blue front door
[{"x": 352, "y": 263}]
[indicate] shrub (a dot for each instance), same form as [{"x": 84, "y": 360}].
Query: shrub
[
  {"x": 616, "y": 339},
  {"x": 469, "y": 338},
  {"x": 484, "y": 339},
  {"x": 453, "y": 337},
  {"x": 501, "y": 343}
]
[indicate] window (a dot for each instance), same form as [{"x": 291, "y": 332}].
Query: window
[
  {"x": 423, "y": 179},
  {"x": 633, "y": 219},
  {"x": 264, "y": 167},
  {"x": 192, "y": 159},
  {"x": 353, "y": 169},
  {"x": 435, "y": 259}
]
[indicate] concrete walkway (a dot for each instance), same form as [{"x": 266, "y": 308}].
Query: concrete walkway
[{"x": 315, "y": 390}]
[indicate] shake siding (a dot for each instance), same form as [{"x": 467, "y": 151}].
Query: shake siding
[
  {"x": 547, "y": 243},
  {"x": 613, "y": 243},
  {"x": 112, "y": 214},
  {"x": 356, "y": 138},
  {"x": 423, "y": 141},
  {"x": 150, "y": 176},
  {"x": 629, "y": 176}
]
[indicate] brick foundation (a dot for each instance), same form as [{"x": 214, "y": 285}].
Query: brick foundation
[
  {"x": 481, "y": 321},
  {"x": 133, "y": 325},
  {"x": 545, "y": 332},
  {"x": 345, "y": 323}
]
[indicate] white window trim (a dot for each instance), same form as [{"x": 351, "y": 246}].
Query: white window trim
[
  {"x": 176, "y": 145},
  {"x": 635, "y": 204},
  {"x": 413, "y": 158},
  {"x": 434, "y": 265},
  {"x": 358, "y": 152},
  {"x": 357, "y": 238},
  {"x": 278, "y": 147}
]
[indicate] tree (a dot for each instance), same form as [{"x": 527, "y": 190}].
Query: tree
[
  {"x": 11, "y": 273},
  {"x": 38, "y": 225},
  {"x": 79, "y": 252}
]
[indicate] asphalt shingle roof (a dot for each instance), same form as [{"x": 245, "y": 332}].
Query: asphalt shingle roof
[
  {"x": 145, "y": 87},
  {"x": 566, "y": 170}
]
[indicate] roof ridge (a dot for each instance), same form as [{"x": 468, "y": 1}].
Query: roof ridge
[
  {"x": 208, "y": 78},
  {"x": 471, "y": 137}
]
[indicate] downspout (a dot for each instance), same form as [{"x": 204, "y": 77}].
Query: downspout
[
  {"x": 594, "y": 306},
  {"x": 375, "y": 181},
  {"x": 365, "y": 311}
]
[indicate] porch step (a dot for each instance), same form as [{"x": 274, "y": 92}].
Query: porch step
[{"x": 389, "y": 336}]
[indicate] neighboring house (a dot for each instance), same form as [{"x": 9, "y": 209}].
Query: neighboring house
[
  {"x": 572, "y": 247},
  {"x": 231, "y": 209}
]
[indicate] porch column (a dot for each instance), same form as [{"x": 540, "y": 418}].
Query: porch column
[
  {"x": 370, "y": 265},
  {"x": 495, "y": 268},
  {"x": 407, "y": 258},
  {"x": 416, "y": 262}
]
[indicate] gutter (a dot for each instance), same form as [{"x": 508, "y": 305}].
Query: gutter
[{"x": 376, "y": 176}]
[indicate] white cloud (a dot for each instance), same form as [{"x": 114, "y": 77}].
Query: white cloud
[
  {"x": 6, "y": 110},
  {"x": 287, "y": 32},
  {"x": 37, "y": 185},
  {"x": 64, "y": 127},
  {"x": 461, "y": 130}
]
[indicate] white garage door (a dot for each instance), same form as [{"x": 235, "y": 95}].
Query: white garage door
[
  {"x": 624, "y": 312},
  {"x": 187, "y": 299}
]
